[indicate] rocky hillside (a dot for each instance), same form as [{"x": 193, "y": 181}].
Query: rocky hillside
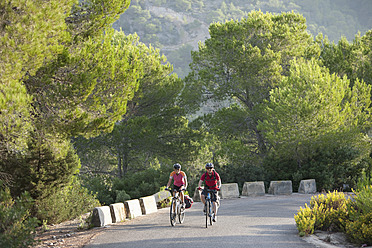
[{"x": 176, "y": 26}]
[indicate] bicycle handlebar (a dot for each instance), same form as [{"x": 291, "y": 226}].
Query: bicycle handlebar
[
  {"x": 170, "y": 190},
  {"x": 210, "y": 190}
]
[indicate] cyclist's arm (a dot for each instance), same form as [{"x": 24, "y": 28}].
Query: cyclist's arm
[
  {"x": 169, "y": 182},
  {"x": 200, "y": 183},
  {"x": 219, "y": 183}
]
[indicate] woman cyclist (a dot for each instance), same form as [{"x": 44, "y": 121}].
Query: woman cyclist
[
  {"x": 212, "y": 181},
  {"x": 180, "y": 181}
]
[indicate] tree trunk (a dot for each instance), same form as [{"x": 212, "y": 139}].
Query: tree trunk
[
  {"x": 125, "y": 163},
  {"x": 120, "y": 172}
]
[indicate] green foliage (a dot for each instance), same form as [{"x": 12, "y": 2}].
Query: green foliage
[
  {"x": 100, "y": 186},
  {"x": 122, "y": 196},
  {"x": 359, "y": 227},
  {"x": 65, "y": 203},
  {"x": 305, "y": 221},
  {"x": 102, "y": 77},
  {"x": 335, "y": 212},
  {"x": 325, "y": 212},
  {"x": 360, "y": 230},
  {"x": 16, "y": 226},
  {"x": 142, "y": 183},
  {"x": 335, "y": 19},
  {"x": 261, "y": 44},
  {"x": 26, "y": 31},
  {"x": 90, "y": 18},
  {"x": 25, "y": 44},
  {"x": 315, "y": 122},
  {"x": 362, "y": 200},
  {"x": 364, "y": 180},
  {"x": 46, "y": 165}
]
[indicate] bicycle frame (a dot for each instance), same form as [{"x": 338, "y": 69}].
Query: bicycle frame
[
  {"x": 208, "y": 206},
  {"x": 175, "y": 209}
]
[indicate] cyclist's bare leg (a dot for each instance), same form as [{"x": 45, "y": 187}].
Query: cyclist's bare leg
[
  {"x": 215, "y": 208},
  {"x": 182, "y": 197},
  {"x": 174, "y": 203},
  {"x": 202, "y": 198}
]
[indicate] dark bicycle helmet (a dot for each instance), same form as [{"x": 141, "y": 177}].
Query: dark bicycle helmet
[
  {"x": 209, "y": 165},
  {"x": 177, "y": 166}
]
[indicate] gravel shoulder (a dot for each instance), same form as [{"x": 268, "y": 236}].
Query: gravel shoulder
[{"x": 66, "y": 234}]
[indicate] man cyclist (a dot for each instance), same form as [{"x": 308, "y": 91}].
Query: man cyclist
[
  {"x": 180, "y": 181},
  {"x": 212, "y": 181}
]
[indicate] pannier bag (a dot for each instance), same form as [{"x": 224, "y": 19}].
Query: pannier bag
[{"x": 188, "y": 201}]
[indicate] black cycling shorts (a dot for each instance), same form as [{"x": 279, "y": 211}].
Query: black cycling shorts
[
  {"x": 177, "y": 188},
  {"x": 214, "y": 196}
]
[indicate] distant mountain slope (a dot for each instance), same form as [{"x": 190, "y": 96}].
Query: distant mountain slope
[{"x": 176, "y": 26}]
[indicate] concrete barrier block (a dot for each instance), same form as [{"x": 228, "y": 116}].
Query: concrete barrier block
[
  {"x": 117, "y": 212},
  {"x": 280, "y": 188},
  {"x": 133, "y": 208},
  {"x": 307, "y": 186},
  {"x": 197, "y": 194},
  {"x": 161, "y": 195},
  {"x": 101, "y": 216},
  {"x": 253, "y": 188},
  {"x": 148, "y": 205},
  {"x": 229, "y": 190}
]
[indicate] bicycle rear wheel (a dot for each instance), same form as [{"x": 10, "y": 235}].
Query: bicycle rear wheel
[{"x": 172, "y": 212}]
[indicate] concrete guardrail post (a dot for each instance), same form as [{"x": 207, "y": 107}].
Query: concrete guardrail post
[
  {"x": 133, "y": 208},
  {"x": 117, "y": 212},
  {"x": 307, "y": 186},
  {"x": 229, "y": 190},
  {"x": 101, "y": 216},
  {"x": 253, "y": 189},
  {"x": 280, "y": 188},
  {"x": 197, "y": 195},
  {"x": 148, "y": 205},
  {"x": 161, "y": 195}
]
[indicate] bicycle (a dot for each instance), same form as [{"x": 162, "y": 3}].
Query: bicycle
[
  {"x": 176, "y": 209},
  {"x": 208, "y": 207}
]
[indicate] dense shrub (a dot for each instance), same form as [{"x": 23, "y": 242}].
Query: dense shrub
[
  {"x": 65, "y": 203},
  {"x": 122, "y": 196},
  {"x": 331, "y": 168},
  {"x": 16, "y": 226},
  {"x": 326, "y": 212},
  {"x": 360, "y": 230},
  {"x": 359, "y": 226},
  {"x": 142, "y": 183},
  {"x": 100, "y": 185},
  {"x": 334, "y": 212}
]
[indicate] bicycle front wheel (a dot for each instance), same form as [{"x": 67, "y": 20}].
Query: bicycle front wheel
[
  {"x": 206, "y": 214},
  {"x": 173, "y": 212},
  {"x": 211, "y": 213},
  {"x": 181, "y": 214}
]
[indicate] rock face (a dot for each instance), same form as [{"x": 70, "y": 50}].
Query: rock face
[
  {"x": 280, "y": 188},
  {"x": 253, "y": 189},
  {"x": 307, "y": 186}
]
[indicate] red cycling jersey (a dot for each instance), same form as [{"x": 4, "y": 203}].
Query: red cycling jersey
[{"x": 211, "y": 180}]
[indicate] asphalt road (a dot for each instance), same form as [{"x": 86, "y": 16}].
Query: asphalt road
[{"x": 265, "y": 221}]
